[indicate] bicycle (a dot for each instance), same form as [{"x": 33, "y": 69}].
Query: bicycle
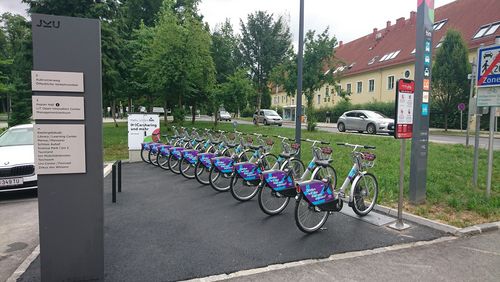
[
  {"x": 246, "y": 178},
  {"x": 189, "y": 159},
  {"x": 316, "y": 199},
  {"x": 279, "y": 186}
]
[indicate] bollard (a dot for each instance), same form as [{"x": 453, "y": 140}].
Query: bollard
[
  {"x": 113, "y": 186},
  {"x": 119, "y": 176}
]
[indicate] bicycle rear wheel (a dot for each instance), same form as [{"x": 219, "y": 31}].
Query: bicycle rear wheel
[
  {"x": 365, "y": 194},
  {"x": 271, "y": 202},
  {"x": 152, "y": 158},
  {"x": 242, "y": 190},
  {"x": 186, "y": 168},
  {"x": 220, "y": 182},
  {"x": 297, "y": 167},
  {"x": 307, "y": 217},
  {"x": 202, "y": 173},
  {"x": 327, "y": 173}
]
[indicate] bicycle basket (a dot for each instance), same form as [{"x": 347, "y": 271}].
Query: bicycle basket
[
  {"x": 268, "y": 144},
  {"x": 249, "y": 141},
  {"x": 323, "y": 153},
  {"x": 367, "y": 160}
]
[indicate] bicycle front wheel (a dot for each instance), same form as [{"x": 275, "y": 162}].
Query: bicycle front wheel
[
  {"x": 307, "y": 217},
  {"x": 365, "y": 194},
  {"x": 152, "y": 158},
  {"x": 297, "y": 167},
  {"x": 173, "y": 164},
  {"x": 242, "y": 190},
  {"x": 162, "y": 161},
  {"x": 144, "y": 155},
  {"x": 202, "y": 173},
  {"x": 272, "y": 202},
  {"x": 269, "y": 161},
  {"x": 220, "y": 182},
  {"x": 186, "y": 168}
]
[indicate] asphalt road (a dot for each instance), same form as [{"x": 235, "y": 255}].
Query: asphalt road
[
  {"x": 18, "y": 229},
  {"x": 164, "y": 228}
]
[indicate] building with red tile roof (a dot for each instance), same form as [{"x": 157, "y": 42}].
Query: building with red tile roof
[{"x": 372, "y": 63}]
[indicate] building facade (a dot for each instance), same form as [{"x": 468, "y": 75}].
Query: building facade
[{"x": 373, "y": 63}]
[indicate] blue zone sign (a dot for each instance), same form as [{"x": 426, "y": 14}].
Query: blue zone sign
[{"x": 488, "y": 67}]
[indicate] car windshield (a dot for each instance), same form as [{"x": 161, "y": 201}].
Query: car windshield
[
  {"x": 376, "y": 115},
  {"x": 270, "y": 113},
  {"x": 16, "y": 137}
]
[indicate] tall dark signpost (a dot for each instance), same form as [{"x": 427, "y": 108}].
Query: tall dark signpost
[
  {"x": 421, "y": 108},
  {"x": 66, "y": 85}
]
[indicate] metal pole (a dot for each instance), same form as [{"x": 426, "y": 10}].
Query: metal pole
[
  {"x": 490, "y": 151},
  {"x": 119, "y": 176},
  {"x": 399, "y": 224},
  {"x": 298, "y": 107},
  {"x": 471, "y": 92},
  {"x": 476, "y": 148},
  {"x": 113, "y": 185},
  {"x": 461, "y": 114}
]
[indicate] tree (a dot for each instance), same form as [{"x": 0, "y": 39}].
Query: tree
[
  {"x": 319, "y": 59},
  {"x": 224, "y": 51},
  {"x": 17, "y": 66},
  {"x": 449, "y": 74},
  {"x": 264, "y": 45},
  {"x": 235, "y": 91},
  {"x": 178, "y": 60}
]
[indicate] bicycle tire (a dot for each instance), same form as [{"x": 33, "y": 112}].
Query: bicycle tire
[
  {"x": 186, "y": 168},
  {"x": 304, "y": 211},
  {"x": 173, "y": 164},
  {"x": 242, "y": 191},
  {"x": 326, "y": 173},
  {"x": 144, "y": 155},
  {"x": 270, "y": 202},
  {"x": 360, "y": 190},
  {"x": 162, "y": 161},
  {"x": 202, "y": 174},
  {"x": 218, "y": 180},
  {"x": 152, "y": 158}
]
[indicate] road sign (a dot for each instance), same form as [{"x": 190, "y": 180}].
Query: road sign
[
  {"x": 405, "y": 97},
  {"x": 488, "y": 97},
  {"x": 461, "y": 107},
  {"x": 488, "y": 66}
]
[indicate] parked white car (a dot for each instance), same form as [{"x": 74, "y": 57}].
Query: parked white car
[
  {"x": 363, "y": 120},
  {"x": 223, "y": 115},
  {"x": 17, "y": 168}
]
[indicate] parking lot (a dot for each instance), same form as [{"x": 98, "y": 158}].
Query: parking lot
[{"x": 164, "y": 227}]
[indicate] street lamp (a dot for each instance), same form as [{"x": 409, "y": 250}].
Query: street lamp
[{"x": 298, "y": 107}]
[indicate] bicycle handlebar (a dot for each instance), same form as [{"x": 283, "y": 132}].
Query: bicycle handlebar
[
  {"x": 316, "y": 141},
  {"x": 357, "y": 146}
]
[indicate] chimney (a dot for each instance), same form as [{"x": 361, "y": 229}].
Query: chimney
[
  {"x": 388, "y": 24},
  {"x": 341, "y": 43},
  {"x": 413, "y": 16},
  {"x": 375, "y": 30},
  {"x": 400, "y": 22}
]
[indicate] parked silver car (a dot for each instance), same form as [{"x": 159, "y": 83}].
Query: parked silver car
[
  {"x": 17, "y": 169},
  {"x": 369, "y": 121},
  {"x": 267, "y": 117},
  {"x": 223, "y": 115}
]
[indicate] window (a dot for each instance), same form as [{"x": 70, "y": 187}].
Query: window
[
  {"x": 338, "y": 89},
  {"x": 348, "y": 87},
  {"x": 319, "y": 99},
  {"x": 394, "y": 55},
  {"x": 371, "y": 85},
  {"x": 390, "y": 82},
  {"x": 327, "y": 91},
  {"x": 487, "y": 30},
  {"x": 389, "y": 56},
  {"x": 359, "y": 87},
  {"x": 352, "y": 114},
  {"x": 414, "y": 51},
  {"x": 439, "y": 25},
  {"x": 372, "y": 60}
]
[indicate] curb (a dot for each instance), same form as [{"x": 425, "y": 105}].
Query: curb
[{"x": 459, "y": 232}]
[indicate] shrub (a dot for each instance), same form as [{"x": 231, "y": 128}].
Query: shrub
[{"x": 247, "y": 112}]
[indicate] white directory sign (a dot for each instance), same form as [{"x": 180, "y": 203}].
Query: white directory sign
[
  {"x": 58, "y": 107},
  {"x": 59, "y": 148},
  {"x": 488, "y": 97},
  {"x": 142, "y": 128},
  {"x": 57, "y": 81}
]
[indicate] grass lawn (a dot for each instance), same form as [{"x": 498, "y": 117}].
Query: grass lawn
[{"x": 450, "y": 196}]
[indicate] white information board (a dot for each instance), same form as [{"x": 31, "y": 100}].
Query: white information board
[
  {"x": 58, "y": 107},
  {"x": 59, "y": 148},
  {"x": 57, "y": 81},
  {"x": 141, "y": 128}
]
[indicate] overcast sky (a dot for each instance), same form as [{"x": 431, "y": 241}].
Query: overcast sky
[{"x": 348, "y": 20}]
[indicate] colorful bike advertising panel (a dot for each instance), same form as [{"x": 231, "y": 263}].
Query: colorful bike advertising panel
[
  {"x": 142, "y": 129},
  {"x": 405, "y": 96}
]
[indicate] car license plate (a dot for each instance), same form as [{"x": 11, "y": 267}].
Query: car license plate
[{"x": 11, "y": 182}]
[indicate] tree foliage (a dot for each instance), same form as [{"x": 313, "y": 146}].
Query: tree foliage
[
  {"x": 319, "y": 59},
  {"x": 449, "y": 74},
  {"x": 264, "y": 45}
]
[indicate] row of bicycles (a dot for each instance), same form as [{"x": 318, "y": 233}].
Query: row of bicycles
[{"x": 245, "y": 165}]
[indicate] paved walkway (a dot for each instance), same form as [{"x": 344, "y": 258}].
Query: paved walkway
[{"x": 466, "y": 259}]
